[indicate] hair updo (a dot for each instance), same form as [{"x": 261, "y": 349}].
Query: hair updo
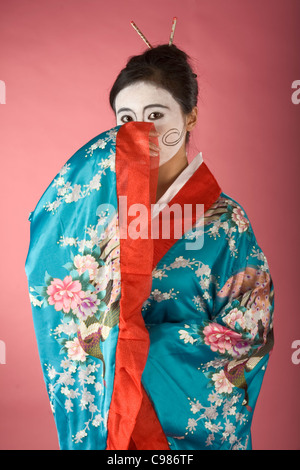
[{"x": 166, "y": 66}]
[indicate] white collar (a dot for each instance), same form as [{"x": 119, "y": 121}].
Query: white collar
[{"x": 177, "y": 184}]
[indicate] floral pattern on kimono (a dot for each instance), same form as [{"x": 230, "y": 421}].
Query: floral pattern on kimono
[
  {"x": 208, "y": 316},
  {"x": 210, "y": 320},
  {"x": 76, "y": 309}
]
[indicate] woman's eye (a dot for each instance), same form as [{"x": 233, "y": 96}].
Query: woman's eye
[
  {"x": 155, "y": 115},
  {"x": 126, "y": 118}
]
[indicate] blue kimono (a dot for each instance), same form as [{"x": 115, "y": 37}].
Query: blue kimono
[{"x": 147, "y": 341}]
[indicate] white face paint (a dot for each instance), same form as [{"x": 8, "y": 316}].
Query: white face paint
[{"x": 144, "y": 101}]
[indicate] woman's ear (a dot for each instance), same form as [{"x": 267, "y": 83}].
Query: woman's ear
[{"x": 191, "y": 120}]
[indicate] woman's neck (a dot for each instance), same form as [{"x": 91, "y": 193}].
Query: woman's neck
[{"x": 169, "y": 171}]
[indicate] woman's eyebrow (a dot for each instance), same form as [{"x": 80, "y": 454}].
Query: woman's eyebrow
[
  {"x": 124, "y": 109},
  {"x": 156, "y": 106},
  {"x": 146, "y": 107}
]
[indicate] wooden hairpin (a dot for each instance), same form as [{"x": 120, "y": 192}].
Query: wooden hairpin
[
  {"x": 146, "y": 40},
  {"x": 172, "y": 31},
  {"x": 141, "y": 34}
]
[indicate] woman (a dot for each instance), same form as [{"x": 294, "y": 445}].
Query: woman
[
  {"x": 145, "y": 91},
  {"x": 173, "y": 332},
  {"x": 159, "y": 86}
]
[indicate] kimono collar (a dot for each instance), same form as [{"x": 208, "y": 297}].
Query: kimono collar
[
  {"x": 176, "y": 186},
  {"x": 195, "y": 185}
]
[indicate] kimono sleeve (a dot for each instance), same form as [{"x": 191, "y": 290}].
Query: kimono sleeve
[
  {"x": 241, "y": 329},
  {"x": 211, "y": 369}
]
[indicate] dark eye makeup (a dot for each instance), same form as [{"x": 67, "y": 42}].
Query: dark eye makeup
[{"x": 156, "y": 114}]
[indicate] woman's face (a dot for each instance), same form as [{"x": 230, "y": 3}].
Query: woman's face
[{"x": 144, "y": 101}]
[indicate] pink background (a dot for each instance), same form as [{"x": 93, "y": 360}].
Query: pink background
[{"x": 59, "y": 60}]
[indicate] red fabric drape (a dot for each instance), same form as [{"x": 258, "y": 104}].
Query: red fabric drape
[
  {"x": 132, "y": 421},
  {"x": 130, "y": 408}
]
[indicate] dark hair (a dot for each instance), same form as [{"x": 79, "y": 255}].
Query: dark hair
[{"x": 166, "y": 66}]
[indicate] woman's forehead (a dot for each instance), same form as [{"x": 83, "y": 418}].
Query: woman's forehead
[{"x": 142, "y": 94}]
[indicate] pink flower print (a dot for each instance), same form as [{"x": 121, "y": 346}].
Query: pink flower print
[
  {"x": 221, "y": 339},
  {"x": 222, "y": 384},
  {"x": 75, "y": 351},
  {"x": 88, "y": 262},
  {"x": 240, "y": 348},
  {"x": 87, "y": 307},
  {"x": 238, "y": 216},
  {"x": 233, "y": 317},
  {"x": 65, "y": 294},
  {"x": 257, "y": 284}
]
